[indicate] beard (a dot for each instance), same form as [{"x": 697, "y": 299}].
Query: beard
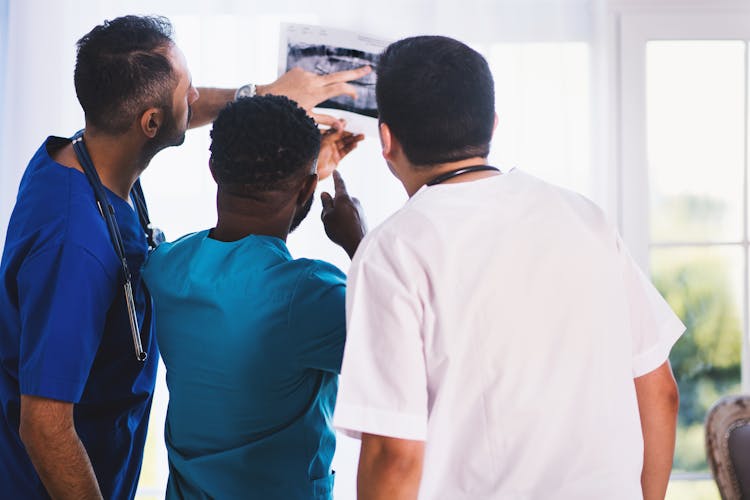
[
  {"x": 169, "y": 134},
  {"x": 300, "y": 216}
]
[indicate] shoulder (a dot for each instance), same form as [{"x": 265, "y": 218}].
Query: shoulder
[
  {"x": 55, "y": 211},
  {"x": 318, "y": 273},
  {"x": 555, "y": 195},
  {"x": 67, "y": 260},
  {"x": 319, "y": 292},
  {"x": 167, "y": 252},
  {"x": 182, "y": 244},
  {"x": 401, "y": 239},
  {"x": 571, "y": 210}
]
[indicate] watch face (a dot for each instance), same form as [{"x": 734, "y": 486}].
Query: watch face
[{"x": 246, "y": 91}]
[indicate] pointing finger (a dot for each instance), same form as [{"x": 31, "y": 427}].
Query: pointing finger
[
  {"x": 339, "y": 185},
  {"x": 348, "y": 75}
]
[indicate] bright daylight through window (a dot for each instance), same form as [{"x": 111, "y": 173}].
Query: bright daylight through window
[{"x": 697, "y": 143}]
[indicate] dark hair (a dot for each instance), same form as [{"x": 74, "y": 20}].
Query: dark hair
[
  {"x": 122, "y": 69},
  {"x": 437, "y": 96},
  {"x": 262, "y": 144}
]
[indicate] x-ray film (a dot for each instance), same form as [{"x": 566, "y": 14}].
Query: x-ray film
[{"x": 325, "y": 50}]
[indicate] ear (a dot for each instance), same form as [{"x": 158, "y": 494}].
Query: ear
[
  {"x": 211, "y": 169},
  {"x": 307, "y": 189},
  {"x": 494, "y": 125},
  {"x": 151, "y": 121},
  {"x": 392, "y": 149},
  {"x": 386, "y": 141}
]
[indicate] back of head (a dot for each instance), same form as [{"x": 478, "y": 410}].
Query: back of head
[
  {"x": 261, "y": 144},
  {"x": 122, "y": 69},
  {"x": 437, "y": 97}
]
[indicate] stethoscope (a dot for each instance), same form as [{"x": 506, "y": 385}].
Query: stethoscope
[
  {"x": 153, "y": 235},
  {"x": 461, "y": 171}
]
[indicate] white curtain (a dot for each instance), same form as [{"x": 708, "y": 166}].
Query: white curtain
[{"x": 546, "y": 55}]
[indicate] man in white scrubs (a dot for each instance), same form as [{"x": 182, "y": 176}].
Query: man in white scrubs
[{"x": 501, "y": 342}]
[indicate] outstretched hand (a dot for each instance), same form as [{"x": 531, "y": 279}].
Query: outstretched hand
[
  {"x": 335, "y": 144},
  {"x": 310, "y": 89},
  {"x": 343, "y": 217}
]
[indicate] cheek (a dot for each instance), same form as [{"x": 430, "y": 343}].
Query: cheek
[{"x": 182, "y": 112}]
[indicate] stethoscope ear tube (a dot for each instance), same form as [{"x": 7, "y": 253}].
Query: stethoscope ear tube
[{"x": 108, "y": 213}]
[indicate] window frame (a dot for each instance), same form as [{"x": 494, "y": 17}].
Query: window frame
[{"x": 634, "y": 28}]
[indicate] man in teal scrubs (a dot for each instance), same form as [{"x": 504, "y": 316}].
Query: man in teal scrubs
[{"x": 252, "y": 338}]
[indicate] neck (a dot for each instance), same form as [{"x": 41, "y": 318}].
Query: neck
[
  {"x": 419, "y": 176},
  {"x": 117, "y": 158},
  {"x": 240, "y": 217}
]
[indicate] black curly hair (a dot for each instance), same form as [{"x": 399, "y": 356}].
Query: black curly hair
[
  {"x": 122, "y": 69},
  {"x": 262, "y": 143}
]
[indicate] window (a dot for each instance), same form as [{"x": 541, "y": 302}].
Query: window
[
  {"x": 684, "y": 160},
  {"x": 697, "y": 172}
]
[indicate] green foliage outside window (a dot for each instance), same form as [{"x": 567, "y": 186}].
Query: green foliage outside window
[{"x": 699, "y": 283}]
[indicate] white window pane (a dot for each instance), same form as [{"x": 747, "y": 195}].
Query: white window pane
[{"x": 695, "y": 127}]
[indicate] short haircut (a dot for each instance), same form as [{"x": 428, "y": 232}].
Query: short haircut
[
  {"x": 261, "y": 144},
  {"x": 122, "y": 69},
  {"x": 437, "y": 97}
]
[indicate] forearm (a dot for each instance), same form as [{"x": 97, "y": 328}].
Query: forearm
[
  {"x": 658, "y": 402},
  {"x": 387, "y": 473},
  {"x": 56, "y": 451},
  {"x": 212, "y": 100},
  {"x": 208, "y": 105},
  {"x": 658, "y": 453}
]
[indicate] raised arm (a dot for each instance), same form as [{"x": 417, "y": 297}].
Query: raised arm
[
  {"x": 49, "y": 435},
  {"x": 658, "y": 402},
  {"x": 308, "y": 89},
  {"x": 389, "y": 468}
]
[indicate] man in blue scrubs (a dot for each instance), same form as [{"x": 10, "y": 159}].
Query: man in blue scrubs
[
  {"x": 74, "y": 400},
  {"x": 251, "y": 337}
]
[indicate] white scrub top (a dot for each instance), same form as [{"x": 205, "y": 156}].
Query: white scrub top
[{"x": 502, "y": 321}]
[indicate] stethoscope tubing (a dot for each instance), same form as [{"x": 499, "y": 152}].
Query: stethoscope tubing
[{"x": 108, "y": 212}]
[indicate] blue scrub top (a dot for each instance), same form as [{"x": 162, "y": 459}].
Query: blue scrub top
[
  {"x": 64, "y": 330},
  {"x": 252, "y": 341}
]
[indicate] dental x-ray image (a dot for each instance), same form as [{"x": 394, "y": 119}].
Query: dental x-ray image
[
  {"x": 325, "y": 50},
  {"x": 325, "y": 59}
]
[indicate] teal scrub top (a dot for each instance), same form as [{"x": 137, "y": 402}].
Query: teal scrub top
[{"x": 252, "y": 340}]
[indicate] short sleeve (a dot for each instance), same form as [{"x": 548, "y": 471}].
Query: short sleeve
[
  {"x": 654, "y": 326},
  {"x": 64, "y": 297},
  {"x": 318, "y": 318},
  {"x": 383, "y": 386}
]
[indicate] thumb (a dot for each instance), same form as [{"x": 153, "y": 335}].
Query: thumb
[
  {"x": 326, "y": 201},
  {"x": 327, "y": 120}
]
